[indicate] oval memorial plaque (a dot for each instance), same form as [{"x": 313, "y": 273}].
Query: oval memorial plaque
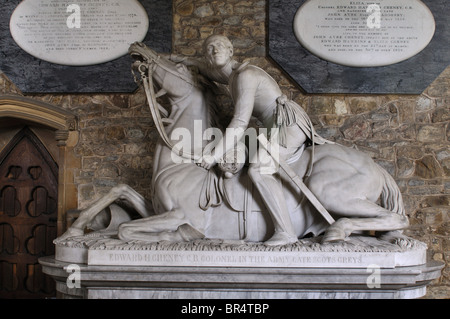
[
  {"x": 364, "y": 33},
  {"x": 78, "y": 32}
]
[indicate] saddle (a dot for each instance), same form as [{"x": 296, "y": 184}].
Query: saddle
[
  {"x": 237, "y": 192},
  {"x": 240, "y": 194}
]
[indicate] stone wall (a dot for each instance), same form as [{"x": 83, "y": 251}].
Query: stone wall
[
  {"x": 115, "y": 143},
  {"x": 406, "y": 134}
]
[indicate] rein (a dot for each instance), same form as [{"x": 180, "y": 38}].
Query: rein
[
  {"x": 146, "y": 70},
  {"x": 209, "y": 195}
]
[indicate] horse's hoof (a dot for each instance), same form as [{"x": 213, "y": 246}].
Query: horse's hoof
[
  {"x": 71, "y": 232},
  {"x": 334, "y": 234}
]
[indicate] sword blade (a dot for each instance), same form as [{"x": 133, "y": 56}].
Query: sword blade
[{"x": 298, "y": 181}]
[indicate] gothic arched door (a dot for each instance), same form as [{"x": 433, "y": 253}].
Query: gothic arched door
[{"x": 28, "y": 216}]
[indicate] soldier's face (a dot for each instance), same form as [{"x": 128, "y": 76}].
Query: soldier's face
[{"x": 218, "y": 53}]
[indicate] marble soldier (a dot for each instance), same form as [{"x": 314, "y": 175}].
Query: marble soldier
[
  {"x": 256, "y": 93},
  {"x": 347, "y": 182}
]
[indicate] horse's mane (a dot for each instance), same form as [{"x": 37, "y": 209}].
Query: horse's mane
[{"x": 211, "y": 91}]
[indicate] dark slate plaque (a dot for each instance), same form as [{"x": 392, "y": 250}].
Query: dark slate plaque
[
  {"x": 33, "y": 75},
  {"x": 316, "y": 75}
]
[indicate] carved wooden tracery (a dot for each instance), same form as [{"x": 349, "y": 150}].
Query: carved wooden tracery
[{"x": 33, "y": 194}]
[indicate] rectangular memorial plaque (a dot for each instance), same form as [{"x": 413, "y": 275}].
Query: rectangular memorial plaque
[
  {"x": 238, "y": 259},
  {"x": 289, "y": 259}
]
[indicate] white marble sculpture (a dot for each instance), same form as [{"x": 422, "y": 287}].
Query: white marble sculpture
[{"x": 192, "y": 199}]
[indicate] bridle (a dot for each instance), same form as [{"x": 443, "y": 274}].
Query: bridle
[
  {"x": 146, "y": 69},
  {"x": 209, "y": 196}
]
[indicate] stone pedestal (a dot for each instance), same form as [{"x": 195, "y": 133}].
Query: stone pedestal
[{"x": 362, "y": 267}]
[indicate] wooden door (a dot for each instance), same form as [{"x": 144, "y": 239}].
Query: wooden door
[{"x": 28, "y": 215}]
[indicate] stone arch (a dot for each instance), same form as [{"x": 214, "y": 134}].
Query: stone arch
[{"x": 63, "y": 124}]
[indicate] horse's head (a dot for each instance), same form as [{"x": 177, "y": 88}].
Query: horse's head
[
  {"x": 140, "y": 52},
  {"x": 174, "y": 78}
]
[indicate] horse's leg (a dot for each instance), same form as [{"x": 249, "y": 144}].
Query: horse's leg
[
  {"x": 122, "y": 191},
  {"x": 350, "y": 193},
  {"x": 364, "y": 215},
  {"x": 171, "y": 226}
]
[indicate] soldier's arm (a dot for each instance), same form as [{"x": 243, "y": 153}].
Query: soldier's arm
[{"x": 244, "y": 90}]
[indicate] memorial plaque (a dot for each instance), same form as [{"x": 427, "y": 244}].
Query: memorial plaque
[
  {"x": 364, "y": 33},
  {"x": 253, "y": 259},
  {"x": 356, "y": 252},
  {"x": 33, "y": 74},
  {"x": 315, "y": 74},
  {"x": 82, "y": 32}
]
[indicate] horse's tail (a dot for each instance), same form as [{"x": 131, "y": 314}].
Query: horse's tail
[{"x": 391, "y": 197}]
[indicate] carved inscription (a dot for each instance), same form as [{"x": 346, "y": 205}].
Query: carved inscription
[
  {"x": 364, "y": 33},
  {"x": 78, "y": 32},
  {"x": 234, "y": 259}
]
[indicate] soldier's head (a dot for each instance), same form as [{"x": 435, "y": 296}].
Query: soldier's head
[{"x": 218, "y": 50}]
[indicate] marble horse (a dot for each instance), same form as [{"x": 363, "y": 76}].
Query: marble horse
[{"x": 191, "y": 203}]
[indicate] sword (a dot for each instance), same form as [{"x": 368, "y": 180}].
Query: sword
[{"x": 297, "y": 180}]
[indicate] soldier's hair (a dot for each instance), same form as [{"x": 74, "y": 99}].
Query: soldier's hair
[{"x": 222, "y": 38}]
